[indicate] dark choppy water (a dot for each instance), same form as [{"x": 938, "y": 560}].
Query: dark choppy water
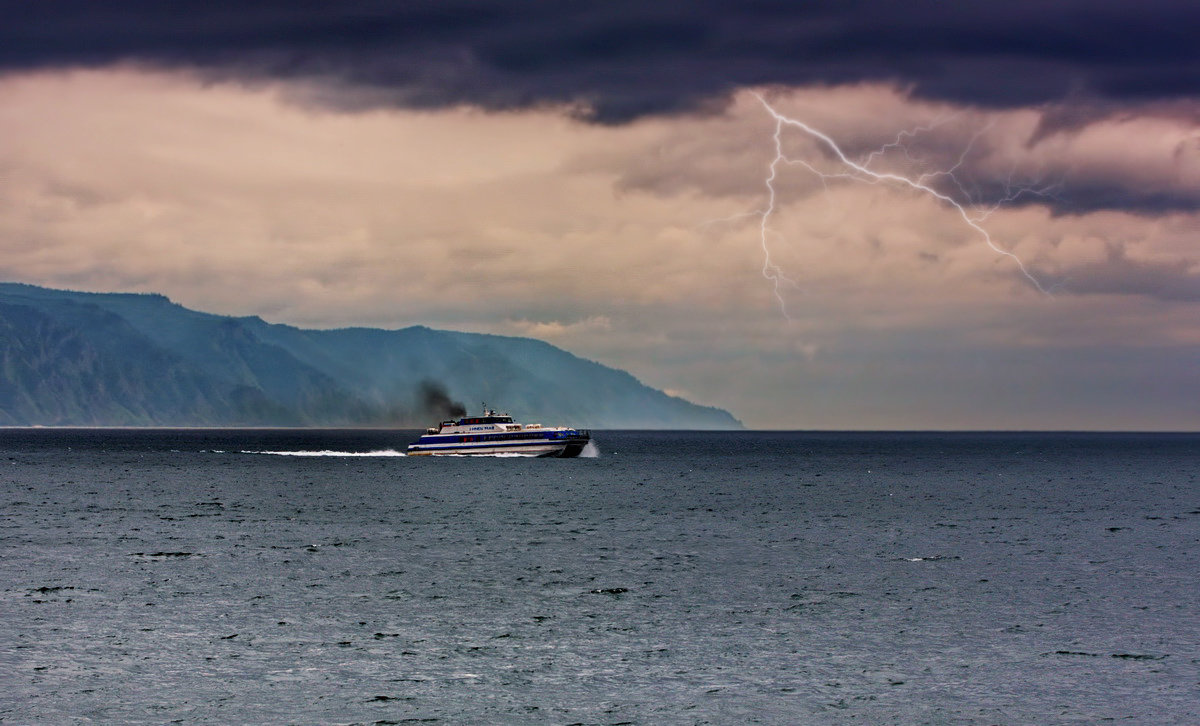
[{"x": 163, "y": 576}]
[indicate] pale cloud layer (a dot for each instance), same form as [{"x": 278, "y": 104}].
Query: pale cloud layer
[{"x": 639, "y": 245}]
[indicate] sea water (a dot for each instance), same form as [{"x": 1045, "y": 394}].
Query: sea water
[{"x": 317, "y": 577}]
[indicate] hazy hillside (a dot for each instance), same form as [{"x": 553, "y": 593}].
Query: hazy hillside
[{"x": 69, "y": 358}]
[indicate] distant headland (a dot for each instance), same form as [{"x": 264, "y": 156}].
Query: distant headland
[{"x": 117, "y": 359}]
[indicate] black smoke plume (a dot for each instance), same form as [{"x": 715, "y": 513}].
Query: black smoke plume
[{"x": 435, "y": 402}]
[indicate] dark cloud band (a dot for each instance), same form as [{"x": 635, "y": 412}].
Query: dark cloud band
[{"x": 627, "y": 58}]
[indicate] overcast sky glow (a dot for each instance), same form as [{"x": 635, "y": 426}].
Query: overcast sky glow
[{"x": 593, "y": 177}]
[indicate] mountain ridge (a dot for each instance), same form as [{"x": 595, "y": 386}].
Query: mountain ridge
[{"x": 140, "y": 359}]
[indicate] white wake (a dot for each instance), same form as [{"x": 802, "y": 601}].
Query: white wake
[{"x": 380, "y": 453}]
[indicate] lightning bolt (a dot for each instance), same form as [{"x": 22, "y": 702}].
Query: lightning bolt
[{"x": 861, "y": 172}]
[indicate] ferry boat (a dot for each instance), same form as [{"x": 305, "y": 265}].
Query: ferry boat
[{"x": 495, "y": 434}]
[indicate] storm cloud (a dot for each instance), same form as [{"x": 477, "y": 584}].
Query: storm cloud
[{"x": 616, "y": 61}]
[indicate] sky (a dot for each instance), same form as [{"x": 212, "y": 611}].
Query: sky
[{"x": 821, "y": 215}]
